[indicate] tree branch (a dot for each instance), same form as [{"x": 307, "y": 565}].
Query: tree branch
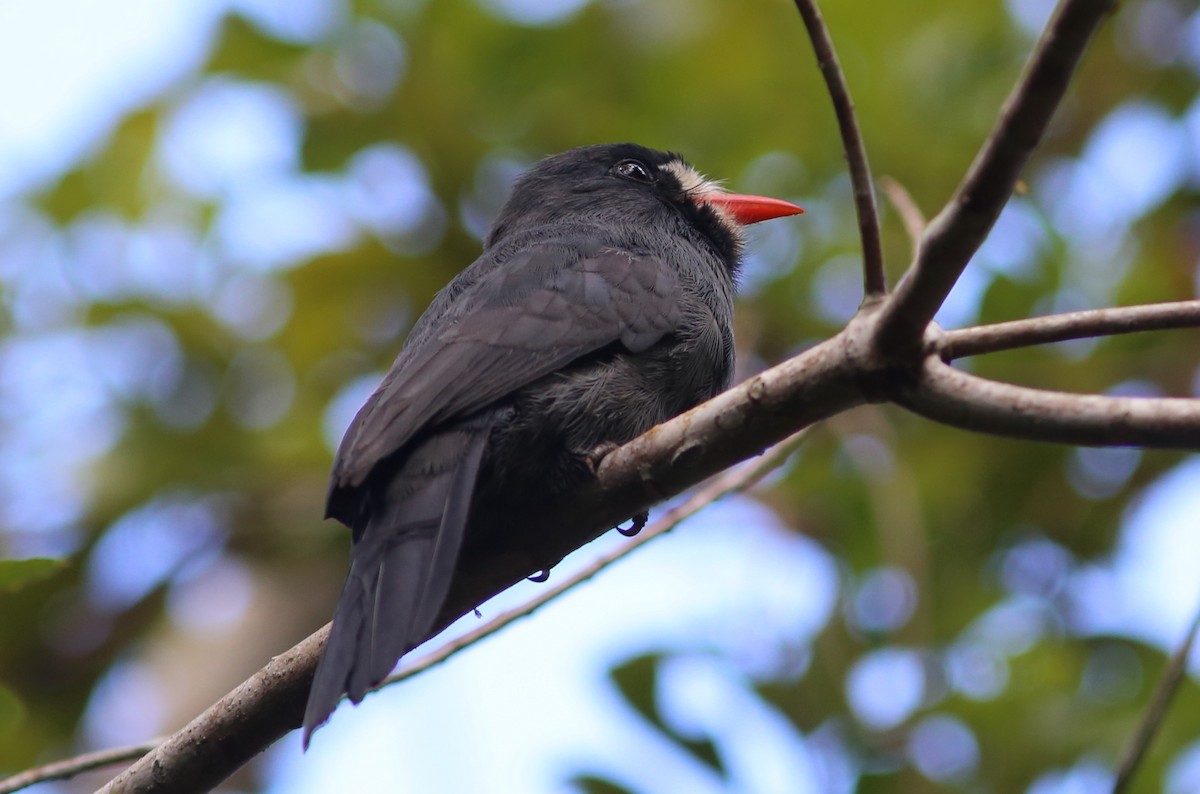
[
  {"x": 910, "y": 214},
  {"x": 829, "y": 378},
  {"x": 665, "y": 461},
  {"x": 731, "y": 481},
  {"x": 945, "y": 394},
  {"x": 953, "y": 237},
  {"x": 1164, "y": 693},
  {"x": 238, "y": 727},
  {"x": 1072, "y": 325},
  {"x": 880, "y": 355},
  {"x": 874, "y": 280},
  {"x": 70, "y": 767}
]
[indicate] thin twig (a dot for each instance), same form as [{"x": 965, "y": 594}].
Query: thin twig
[
  {"x": 70, "y": 767},
  {"x": 945, "y": 394},
  {"x": 910, "y": 214},
  {"x": 953, "y": 237},
  {"x": 874, "y": 280},
  {"x": 1071, "y": 325},
  {"x": 732, "y": 481},
  {"x": 1164, "y": 692}
]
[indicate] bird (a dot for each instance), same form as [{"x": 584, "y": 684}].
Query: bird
[{"x": 601, "y": 305}]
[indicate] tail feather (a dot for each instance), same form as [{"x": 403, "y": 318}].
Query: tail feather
[{"x": 401, "y": 568}]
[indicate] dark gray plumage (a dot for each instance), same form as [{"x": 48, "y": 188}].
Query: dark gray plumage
[{"x": 601, "y": 306}]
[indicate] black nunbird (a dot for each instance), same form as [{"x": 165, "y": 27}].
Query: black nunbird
[{"x": 601, "y": 306}]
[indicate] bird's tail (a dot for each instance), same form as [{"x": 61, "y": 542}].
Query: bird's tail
[{"x": 400, "y": 568}]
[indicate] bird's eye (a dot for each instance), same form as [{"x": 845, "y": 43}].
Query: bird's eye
[{"x": 632, "y": 169}]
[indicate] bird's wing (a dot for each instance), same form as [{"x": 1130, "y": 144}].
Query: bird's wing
[{"x": 535, "y": 313}]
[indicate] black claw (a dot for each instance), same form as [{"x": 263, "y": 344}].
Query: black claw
[
  {"x": 639, "y": 523},
  {"x": 540, "y": 576},
  {"x": 478, "y": 614}
]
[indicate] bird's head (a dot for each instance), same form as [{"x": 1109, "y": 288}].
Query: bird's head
[{"x": 634, "y": 189}]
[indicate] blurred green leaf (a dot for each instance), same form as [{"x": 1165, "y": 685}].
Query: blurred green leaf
[
  {"x": 597, "y": 785},
  {"x": 637, "y": 679},
  {"x": 17, "y": 574},
  {"x": 12, "y": 711}
]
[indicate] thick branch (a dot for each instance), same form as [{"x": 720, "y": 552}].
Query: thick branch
[
  {"x": 1063, "y": 327},
  {"x": 874, "y": 281},
  {"x": 674, "y": 456},
  {"x": 238, "y": 727},
  {"x": 732, "y": 481},
  {"x": 954, "y": 236},
  {"x": 957, "y": 398},
  {"x": 829, "y": 378}
]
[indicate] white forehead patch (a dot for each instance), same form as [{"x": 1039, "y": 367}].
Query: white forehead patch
[
  {"x": 697, "y": 186},
  {"x": 693, "y": 182}
]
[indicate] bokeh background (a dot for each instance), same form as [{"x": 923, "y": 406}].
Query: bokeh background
[{"x": 218, "y": 218}]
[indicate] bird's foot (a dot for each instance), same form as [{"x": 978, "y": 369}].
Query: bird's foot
[
  {"x": 637, "y": 525},
  {"x": 593, "y": 458},
  {"x": 540, "y": 576}
]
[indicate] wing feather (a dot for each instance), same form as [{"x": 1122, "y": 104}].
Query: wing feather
[{"x": 526, "y": 318}]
